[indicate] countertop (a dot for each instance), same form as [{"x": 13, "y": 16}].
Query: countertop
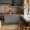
[
  {"x": 11, "y": 14},
  {"x": 27, "y": 19}
]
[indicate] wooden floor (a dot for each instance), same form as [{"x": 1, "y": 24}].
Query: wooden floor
[{"x": 9, "y": 27}]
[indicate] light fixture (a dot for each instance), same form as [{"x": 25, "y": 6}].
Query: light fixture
[{"x": 24, "y": 4}]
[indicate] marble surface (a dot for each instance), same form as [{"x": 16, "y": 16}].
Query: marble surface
[{"x": 27, "y": 19}]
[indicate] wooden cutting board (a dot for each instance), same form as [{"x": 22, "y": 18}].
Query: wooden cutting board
[{"x": 6, "y": 11}]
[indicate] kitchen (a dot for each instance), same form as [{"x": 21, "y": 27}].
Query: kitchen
[{"x": 11, "y": 11}]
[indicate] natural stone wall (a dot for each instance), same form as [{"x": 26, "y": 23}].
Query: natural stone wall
[
  {"x": 3, "y": 6},
  {"x": 13, "y": 9},
  {"x": 19, "y": 2}
]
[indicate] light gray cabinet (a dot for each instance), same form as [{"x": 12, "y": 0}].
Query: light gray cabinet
[
  {"x": 6, "y": 18},
  {"x": 12, "y": 18}
]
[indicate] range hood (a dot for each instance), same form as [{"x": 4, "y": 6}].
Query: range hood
[{"x": 5, "y": 1}]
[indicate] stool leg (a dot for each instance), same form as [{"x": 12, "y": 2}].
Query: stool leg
[
  {"x": 23, "y": 28},
  {"x": 18, "y": 25},
  {"x": 17, "y": 28},
  {"x": 27, "y": 28}
]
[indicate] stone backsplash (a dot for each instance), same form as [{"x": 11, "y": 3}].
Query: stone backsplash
[
  {"x": 3, "y": 6},
  {"x": 13, "y": 9}
]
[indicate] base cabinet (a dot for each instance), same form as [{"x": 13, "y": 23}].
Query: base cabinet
[
  {"x": 13, "y": 18},
  {"x": 6, "y": 18}
]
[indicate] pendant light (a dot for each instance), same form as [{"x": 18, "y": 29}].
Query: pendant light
[{"x": 23, "y": 4}]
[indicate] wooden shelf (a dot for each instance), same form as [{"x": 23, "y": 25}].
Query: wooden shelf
[{"x": 15, "y": 6}]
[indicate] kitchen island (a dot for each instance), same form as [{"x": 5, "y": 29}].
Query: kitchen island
[{"x": 25, "y": 20}]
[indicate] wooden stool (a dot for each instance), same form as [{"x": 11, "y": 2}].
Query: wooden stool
[
  {"x": 24, "y": 27},
  {"x": 21, "y": 25},
  {"x": 18, "y": 23}
]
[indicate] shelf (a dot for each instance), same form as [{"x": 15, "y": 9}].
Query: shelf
[{"x": 15, "y": 6}]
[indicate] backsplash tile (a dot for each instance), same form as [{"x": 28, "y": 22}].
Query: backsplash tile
[
  {"x": 13, "y": 9},
  {"x": 2, "y": 7}
]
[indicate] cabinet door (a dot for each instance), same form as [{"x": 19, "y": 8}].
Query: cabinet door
[
  {"x": 6, "y": 18},
  {"x": 14, "y": 18},
  {"x": 10, "y": 21},
  {"x": 10, "y": 18}
]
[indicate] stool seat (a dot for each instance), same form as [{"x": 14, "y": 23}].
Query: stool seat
[
  {"x": 19, "y": 20},
  {"x": 26, "y": 26},
  {"x": 23, "y": 24}
]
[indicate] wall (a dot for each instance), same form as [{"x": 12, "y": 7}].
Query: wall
[
  {"x": 13, "y": 9},
  {"x": 2, "y": 7},
  {"x": 7, "y": 5},
  {"x": 16, "y": 9},
  {"x": 19, "y": 2},
  {"x": 6, "y": 1}
]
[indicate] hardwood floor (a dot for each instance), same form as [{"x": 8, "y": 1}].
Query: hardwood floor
[{"x": 9, "y": 27}]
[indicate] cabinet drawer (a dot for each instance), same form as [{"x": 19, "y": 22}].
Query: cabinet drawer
[
  {"x": 6, "y": 15},
  {"x": 15, "y": 16},
  {"x": 6, "y": 18},
  {"x": 14, "y": 20}
]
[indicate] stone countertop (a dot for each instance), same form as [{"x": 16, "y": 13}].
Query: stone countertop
[{"x": 27, "y": 19}]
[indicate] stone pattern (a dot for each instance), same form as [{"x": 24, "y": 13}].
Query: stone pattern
[
  {"x": 3, "y": 6},
  {"x": 13, "y": 9},
  {"x": 19, "y": 2}
]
